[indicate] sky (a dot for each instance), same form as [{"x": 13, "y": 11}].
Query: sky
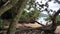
[{"x": 53, "y": 6}]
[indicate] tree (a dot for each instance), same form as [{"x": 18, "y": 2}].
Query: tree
[
  {"x": 12, "y": 12},
  {"x": 12, "y": 27},
  {"x": 21, "y": 14}
]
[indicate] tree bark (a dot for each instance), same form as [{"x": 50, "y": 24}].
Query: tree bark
[
  {"x": 12, "y": 27},
  {"x": 9, "y": 5}
]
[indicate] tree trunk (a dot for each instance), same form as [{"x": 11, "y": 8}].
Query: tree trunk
[
  {"x": 12, "y": 27},
  {"x": 54, "y": 24}
]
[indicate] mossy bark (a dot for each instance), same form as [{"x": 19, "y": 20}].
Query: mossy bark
[
  {"x": 8, "y": 5},
  {"x": 12, "y": 27}
]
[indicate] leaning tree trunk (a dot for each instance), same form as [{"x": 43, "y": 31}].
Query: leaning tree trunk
[
  {"x": 12, "y": 27},
  {"x": 54, "y": 24}
]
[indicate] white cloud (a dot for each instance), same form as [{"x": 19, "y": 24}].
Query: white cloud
[
  {"x": 54, "y": 6},
  {"x": 41, "y": 20},
  {"x": 44, "y": 12},
  {"x": 58, "y": 0}
]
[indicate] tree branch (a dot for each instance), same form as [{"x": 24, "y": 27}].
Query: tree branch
[{"x": 10, "y": 4}]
